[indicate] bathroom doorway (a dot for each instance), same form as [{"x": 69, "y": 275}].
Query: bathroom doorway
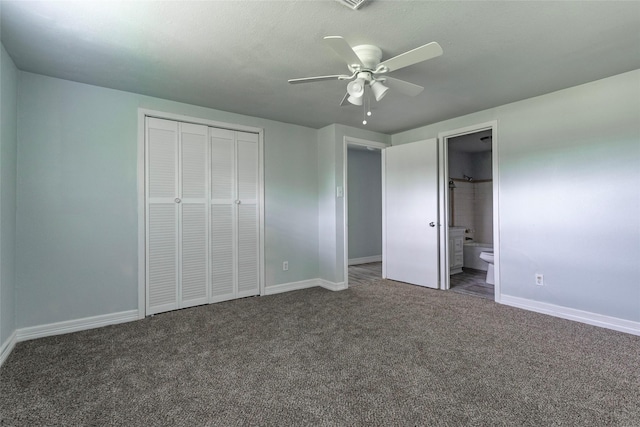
[{"x": 467, "y": 209}]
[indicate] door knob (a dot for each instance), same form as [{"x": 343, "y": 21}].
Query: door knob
[
  {"x": 238, "y": 202},
  {"x": 178, "y": 200},
  {"x": 432, "y": 224}
]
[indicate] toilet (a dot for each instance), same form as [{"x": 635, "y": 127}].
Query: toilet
[{"x": 488, "y": 258}]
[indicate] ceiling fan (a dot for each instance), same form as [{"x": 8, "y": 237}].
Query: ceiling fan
[{"x": 363, "y": 62}]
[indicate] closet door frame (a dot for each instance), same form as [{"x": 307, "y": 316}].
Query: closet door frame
[{"x": 143, "y": 113}]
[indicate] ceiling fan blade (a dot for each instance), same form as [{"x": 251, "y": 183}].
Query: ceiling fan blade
[
  {"x": 316, "y": 79},
  {"x": 344, "y": 51},
  {"x": 419, "y": 54},
  {"x": 403, "y": 87},
  {"x": 344, "y": 100}
]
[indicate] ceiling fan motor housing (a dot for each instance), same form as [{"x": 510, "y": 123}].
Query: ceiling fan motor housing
[{"x": 369, "y": 55}]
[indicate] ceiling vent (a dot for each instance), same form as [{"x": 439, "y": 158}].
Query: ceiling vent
[{"x": 352, "y": 4}]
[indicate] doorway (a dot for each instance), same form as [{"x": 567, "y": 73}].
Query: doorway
[
  {"x": 362, "y": 210},
  {"x": 469, "y": 186}
]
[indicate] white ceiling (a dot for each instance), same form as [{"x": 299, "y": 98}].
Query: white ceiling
[{"x": 237, "y": 55}]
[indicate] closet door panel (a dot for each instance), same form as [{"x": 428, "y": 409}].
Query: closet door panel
[
  {"x": 247, "y": 167},
  {"x": 247, "y": 222},
  {"x": 194, "y": 161},
  {"x": 162, "y": 255},
  {"x": 223, "y": 235},
  {"x": 162, "y": 215},
  {"x": 194, "y": 283},
  {"x": 222, "y": 166},
  {"x": 248, "y": 283},
  {"x": 194, "y": 255},
  {"x": 222, "y": 252},
  {"x": 162, "y": 158}
]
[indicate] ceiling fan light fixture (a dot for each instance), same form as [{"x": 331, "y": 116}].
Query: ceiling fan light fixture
[
  {"x": 356, "y": 89},
  {"x": 355, "y": 100},
  {"x": 379, "y": 90}
]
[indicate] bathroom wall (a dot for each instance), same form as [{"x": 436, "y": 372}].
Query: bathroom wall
[
  {"x": 472, "y": 201},
  {"x": 483, "y": 211}
]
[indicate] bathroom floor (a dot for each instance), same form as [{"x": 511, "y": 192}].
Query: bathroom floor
[
  {"x": 469, "y": 282},
  {"x": 472, "y": 282}
]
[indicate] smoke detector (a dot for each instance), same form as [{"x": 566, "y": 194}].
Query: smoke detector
[{"x": 352, "y": 4}]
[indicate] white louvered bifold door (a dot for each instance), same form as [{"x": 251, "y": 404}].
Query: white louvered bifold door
[
  {"x": 194, "y": 228},
  {"x": 234, "y": 214},
  {"x": 162, "y": 215},
  {"x": 223, "y": 232},
  {"x": 202, "y": 214},
  {"x": 247, "y": 213}
]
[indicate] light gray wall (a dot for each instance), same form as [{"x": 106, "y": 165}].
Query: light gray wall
[
  {"x": 331, "y": 209},
  {"x": 476, "y": 165},
  {"x": 569, "y": 194},
  {"x": 365, "y": 203},
  {"x": 481, "y": 165},
  {"x": 77, "y": 198},
  {"x": 327, "y": 203},
  {"x": 459, "y": 164},
  {"x": 8, "y": 143}
]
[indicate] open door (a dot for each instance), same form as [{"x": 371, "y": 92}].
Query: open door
[{"x": 410, "y": 213}]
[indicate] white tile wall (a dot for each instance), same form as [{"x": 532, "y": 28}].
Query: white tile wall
[{"x": 473, "y": 209}]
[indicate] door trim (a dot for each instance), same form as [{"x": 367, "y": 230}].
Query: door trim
[
  {"x": 142, "y": 114},
  {"x": 443, "y": 138},
  {"x": 346, "y": 141}
]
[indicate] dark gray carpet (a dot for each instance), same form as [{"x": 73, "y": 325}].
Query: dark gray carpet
[{"x": 381, "y": 353}]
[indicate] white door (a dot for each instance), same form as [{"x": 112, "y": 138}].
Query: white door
[
  {"x": 410, "y": 217},
  {"x": 234, "y": 214},
  {"x": 176, "y": 231}
]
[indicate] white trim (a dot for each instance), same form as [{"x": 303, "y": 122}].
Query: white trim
[
  {"x": 581, "y": 316},
  {"x": 261, "y": 215},
  {"x": 7, "y": 347},
  {"x": 144, "y": 112},
  {"x": 332, "y": 286},
  {"x": 67, "y": 326},
  {"x": 365, "y": 143},
  {"x": 291, "y": 286},
  {"x": 444, "y": 199},
  {"x": 346, "y": 141},
  {"x": 141, "y": 217},
  {"x": 384, "y": 214},
  {"x": 197, "y": 120},
  {"x": 365, "y": 260}
]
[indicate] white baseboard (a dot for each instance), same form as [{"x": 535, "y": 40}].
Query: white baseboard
[
  {"x": 332, "y": 286},
  {"x": 587, "y": 317},
  {"x": 291, "y": 286},
  {"x": 7, "y": 347},
  {"x": 33, "y": 332},
  {"x": 365, "y": 260}
]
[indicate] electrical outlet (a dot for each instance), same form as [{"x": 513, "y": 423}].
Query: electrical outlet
[
  {"x": 539, "y": 279},
  {"x": 285, "y": 266}
]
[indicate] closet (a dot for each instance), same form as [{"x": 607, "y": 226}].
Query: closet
[{"x": 202, "y": 214}]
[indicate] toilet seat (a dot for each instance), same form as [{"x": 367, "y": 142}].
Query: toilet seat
[{"x": 487, "y": 256}]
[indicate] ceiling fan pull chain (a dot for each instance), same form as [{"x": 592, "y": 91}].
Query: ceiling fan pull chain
[{"x": 364, "y": 106}]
